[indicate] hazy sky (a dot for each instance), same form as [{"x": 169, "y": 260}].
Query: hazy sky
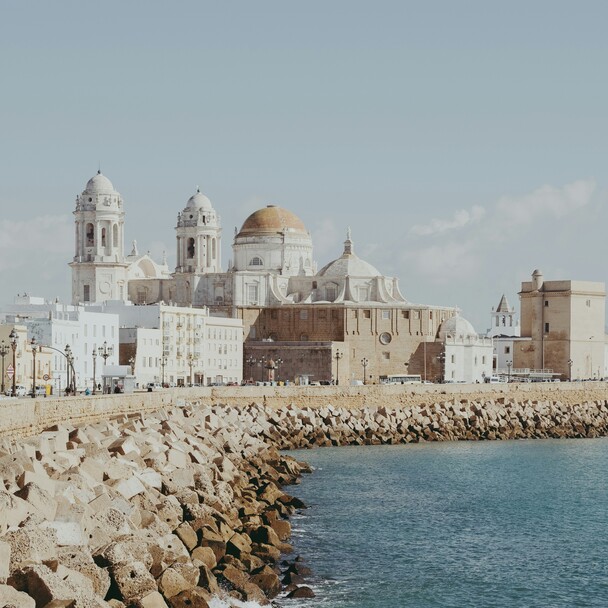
[{"x": 464, "y": 142}]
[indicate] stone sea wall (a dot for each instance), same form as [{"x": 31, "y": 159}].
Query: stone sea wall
[{"x": 186, "y": 498}]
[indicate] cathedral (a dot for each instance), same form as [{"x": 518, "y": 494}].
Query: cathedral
[{"x": 340, "y": 323}]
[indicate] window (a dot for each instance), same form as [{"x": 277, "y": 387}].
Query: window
[
  {"x": 87, "y": 293},
  {"x": 256, "y": 261},
  {"x": 546, "y": 328},
  {"x": 546, "y": 303},
  {"x": 103, "y": 237},
  {"x": 588, "y": 303},
  {"x": 453, "y": 359},
  {"x": 252, "y": 294},
  {"x": 483, "y": 360},
  {"x": 303, "y": 337},
  {"x": 191, "y": 248},
  {"x": 322, "y": 314},
  {"x": 386, "y": 314},
  {"x": 507, "y": 350},
  {"x": 90, "y": 235},
  {"x": 330, "y": 293},
  {"x": 367, "y": 314},
  {"x": 303, "y": 315},
  {"x": 314, "y": 284},
  {"x": 405, "y": 314},
  {"x": 386, "y": 356}
]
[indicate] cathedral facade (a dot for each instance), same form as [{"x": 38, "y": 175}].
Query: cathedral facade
[{"x": 344, "y": 322}]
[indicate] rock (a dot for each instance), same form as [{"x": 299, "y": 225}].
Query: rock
[
  {"x": 204, "y": 555},
  {"x": 171, "y": 583},
  {"x": 11, "y": 598},
  {"x": 193, "y": 598},
  {"x": 132, "y": 580},
  {"x": 301, "y": 592}
]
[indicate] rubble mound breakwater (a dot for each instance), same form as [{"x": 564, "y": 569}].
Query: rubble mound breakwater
[{"x": 172, "y": 507}]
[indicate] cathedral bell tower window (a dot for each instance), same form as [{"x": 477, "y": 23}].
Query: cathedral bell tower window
[
  {"x": 191, "y": 248},
  {"x": 90, "y": 235},
  {"x": 103, "y": 237}
]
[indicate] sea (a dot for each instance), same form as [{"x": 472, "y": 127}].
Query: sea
[{"x": 455, "y": 524}]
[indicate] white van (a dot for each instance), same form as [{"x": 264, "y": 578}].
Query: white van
[
  {"x": 495, "y": 379},
  {"x": 20, "y": 390}
]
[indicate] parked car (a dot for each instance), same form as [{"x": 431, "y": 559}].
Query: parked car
[
  {"x": 39, "y": 392},
  {"x": 20, "y": 391}
]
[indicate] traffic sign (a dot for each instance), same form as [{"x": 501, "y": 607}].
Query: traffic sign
[
  {"x": 46, "y": 377},
  {"x": 10, "y": 371}
]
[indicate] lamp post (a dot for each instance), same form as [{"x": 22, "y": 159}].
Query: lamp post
[
  {"x": 337, "y": 357},
  {"x": 34, "y": 349},
  {"x": 424, "y": 347},
  {"x": 441, "y": 360},
  {"x": 277, "y": 363},
  {"x": 364, "y": 363},
  {"x": 132, "y": 364},
  {"x": 13, "y": 339},
  {"x": 509, "y": 364},
  {"x": 3, "y": 352},
  {"x": 191, "y": 361},
  {"x": 163, "y": 363},
  {"x": 251, "y": 361},
  {"x": 570, "y": 363},
  {"x": 105, "y": 351},
  {"x": 94, "y": 365},
  {"x": 71, "y": 374}
]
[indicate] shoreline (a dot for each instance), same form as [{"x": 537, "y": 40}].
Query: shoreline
[{"x": 161, "y": 509}]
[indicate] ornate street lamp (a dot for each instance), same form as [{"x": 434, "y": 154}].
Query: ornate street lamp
[
  {"x": 191, "y": 361},
  {"x": 570, "y": 364},
  {"x": 251, "y": 361},
  {"x": 509, "y": 364},
  {"x": 278, "y": 362},
  {"x": 71, "y": 375},
  {"x": 105, "y": 351},
  {"x": 94, "y": 369},
  {"x": 34, "y": 349},
  {"x": 4, "y": 348},
  {"x": 337, "y": 357},
  {"x": 163, "y": 363},
  {"x": 132, "y": 364},
  {"x": 13, "y": 339},
  {"x": 364, "y": 363}
]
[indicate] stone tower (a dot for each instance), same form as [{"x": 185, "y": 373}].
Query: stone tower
[
  {"x": 99, "y": 268},
  {"x": 198, "y": 246}
]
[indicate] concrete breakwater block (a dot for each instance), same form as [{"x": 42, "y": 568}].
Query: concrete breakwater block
[{"x": 164, "y": 508}]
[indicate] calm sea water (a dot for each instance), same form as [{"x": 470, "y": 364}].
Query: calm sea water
[{"x": 487, "y": 524}]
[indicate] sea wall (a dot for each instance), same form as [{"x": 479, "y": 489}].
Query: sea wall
[{"x": 26, "y": 417}]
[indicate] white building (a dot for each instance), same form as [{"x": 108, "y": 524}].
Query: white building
[
  {"x": 467, "y": 355},
  {"x": 55, "y": 326},
  {"x": 178, "y": 345}
]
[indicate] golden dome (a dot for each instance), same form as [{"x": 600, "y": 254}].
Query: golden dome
[{"x": 272, "y": 219}]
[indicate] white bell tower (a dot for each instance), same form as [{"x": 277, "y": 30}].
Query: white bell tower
[
  {"x": 99, "y": 268},
  {"x": 198, "y": 246}
]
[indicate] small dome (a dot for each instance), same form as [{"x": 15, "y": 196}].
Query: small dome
[
  {"x": 349, "y": 265},
  {"x": 272, "y": 219},
  {"x": 457, "y": 327},
  {"x": 199, "y": 201},
  {"x": 99, "y": 184}
]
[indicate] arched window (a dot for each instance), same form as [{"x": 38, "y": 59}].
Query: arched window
[
  {"x": 115, "y": 235},
  {"x": 90, "y": 235},
  {"x": 191, "y": 248},
  {"x": 103, "y": 237},
  {"x": 256, "y": 261}
]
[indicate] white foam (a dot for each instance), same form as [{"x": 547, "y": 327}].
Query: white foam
[{"x": 230, "y": 602}]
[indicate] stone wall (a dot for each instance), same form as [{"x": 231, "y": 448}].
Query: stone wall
[{"x": 24, "y": 417}]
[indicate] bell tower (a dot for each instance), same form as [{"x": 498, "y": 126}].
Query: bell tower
[
  {"x": 198, "y": 247},
  {"x": 99, "y": 268}
]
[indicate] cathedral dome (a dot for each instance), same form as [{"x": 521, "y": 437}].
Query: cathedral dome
[
  {"x": 199, "y": 201},
  {"x": 270, "y": 220},
  {"x": 99, "y": 184},
  {"x": 349, "y": 264},
  {"x": 457, "y": 327}
]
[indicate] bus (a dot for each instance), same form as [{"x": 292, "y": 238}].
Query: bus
[{"x": 401, "y": 379}]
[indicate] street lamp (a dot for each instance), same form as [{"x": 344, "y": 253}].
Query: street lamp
[
  {"x": 364, "y": 363},
  {"x": 132, "y": 364},
  {"x": 570, "y": 364},
  {"x": 163, "y": 363},
  {"x": 3, "y": 352},
  {"x": 71, "y": 374},
  {"x": 13, "y": 339},
  {"x": 105, "y": 351},
  {"x": 34, "y": 349},
  {"x": 509, "y": 364},
  {"x": 191, "y": 361},
  {"x": 277, "y": 363},
  {"x": 94, "y": 365},
  {"x": 337, "y": 357},
  {"x": 251, "y": 361}
]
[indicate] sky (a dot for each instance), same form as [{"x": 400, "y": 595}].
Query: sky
[{"x": 464, "y": 143}]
